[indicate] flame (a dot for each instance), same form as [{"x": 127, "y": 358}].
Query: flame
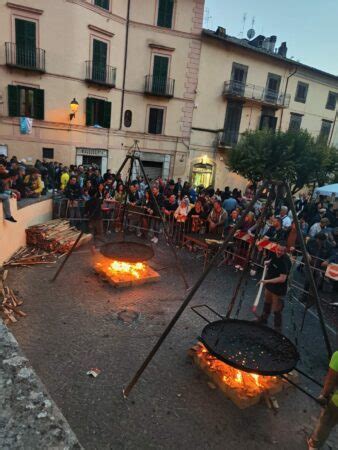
[
  {"x": 136, "y": 270},
  {"x": 245, "y": 384},
  {"x": 239, "y": 377}
]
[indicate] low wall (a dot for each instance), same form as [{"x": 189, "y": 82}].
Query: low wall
[{"x": 12, "y": 235}]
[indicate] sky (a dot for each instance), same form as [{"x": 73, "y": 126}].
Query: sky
[{"x": 309, "y": 27}]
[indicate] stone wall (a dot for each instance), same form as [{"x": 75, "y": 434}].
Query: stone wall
[{"x": 29, "y": 418}]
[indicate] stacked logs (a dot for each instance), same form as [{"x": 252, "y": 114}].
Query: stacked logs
[
  {"x": 55, "y": 236},
  {"x": 9, "y": 303}
]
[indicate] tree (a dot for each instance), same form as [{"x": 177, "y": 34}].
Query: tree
[{"x": 286, "y": 156}]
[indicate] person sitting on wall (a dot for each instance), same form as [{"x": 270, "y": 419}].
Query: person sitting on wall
[
  {"x": 34, "y": 184},
  {"x": 5, "y": 195}
]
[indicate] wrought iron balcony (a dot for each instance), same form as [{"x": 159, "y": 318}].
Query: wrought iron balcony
[
  {"x": 227, "y": 138},
  {"x": 159, "y": 86},
  {"x": 99, "y": 74},
  {"x": 25, "y": 57},
  {"x": 251, "y": 92}
]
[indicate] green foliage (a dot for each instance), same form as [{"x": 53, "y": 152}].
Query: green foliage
[{"x": 296, "y": 158}]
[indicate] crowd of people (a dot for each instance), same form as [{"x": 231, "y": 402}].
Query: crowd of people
[{"x": 204, "y": 210}]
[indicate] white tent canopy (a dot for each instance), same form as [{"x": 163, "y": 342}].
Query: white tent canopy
[{"x": 327, "y": 190}]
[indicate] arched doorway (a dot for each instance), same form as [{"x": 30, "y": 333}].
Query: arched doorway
[{"x": 202, "y": 174}]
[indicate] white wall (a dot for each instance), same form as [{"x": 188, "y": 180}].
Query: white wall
[{"x": 12, "y": 235}]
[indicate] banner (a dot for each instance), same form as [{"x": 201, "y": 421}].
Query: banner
[
  {"x": 26, "y": 125},
  {"x": 332, "y": 272}
]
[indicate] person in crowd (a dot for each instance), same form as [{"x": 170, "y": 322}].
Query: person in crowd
[
  {"x": 18, "y": 183},
  {"x": 169, "y": 189},
  {"x": 156, "y": 205},
  {"x": 182, "y": 211},
  {"x": 146, "y": 204},
  {"x": 64, "y": 178},
  {"x": 275, "y": 284},
  {"x": 276, "y": 232},
  {"x": 322, "y": 227},
  {"x": 319, "y": 249},
  {"x": 229, "y": 204},
  {"x": 5, "y": 195},
  {"x": 34, "y": 184},
  {"x": 169, "y": 207},
  {"x": 249, "y": 221},
  {"x": 285, "y": 219},
  {"x": 217, "y": 218},
  {"x": 178, "y": 187},
  {"x": 196, "y": 217},
  {"x": 73, "y": 193},
  {"x": 93, "y": 211},
  {"x": 328, "y": 398},
  {"x": 234, "y": 218}
]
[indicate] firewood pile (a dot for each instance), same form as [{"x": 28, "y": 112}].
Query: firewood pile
[
  {"x": 29, "y": 256},
  {"x": 55, "y": 236},
  {"x": 9, "y": 303}
]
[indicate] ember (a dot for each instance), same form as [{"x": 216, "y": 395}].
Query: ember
[{"x": 244, "y": 389}]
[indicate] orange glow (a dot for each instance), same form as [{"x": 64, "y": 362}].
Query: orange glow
[
  {"x": 119, "y": 267},
  {"x": 245, "y": 384}
]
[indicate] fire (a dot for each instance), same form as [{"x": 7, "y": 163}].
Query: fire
[
  {"x": 246, "y": 384},
  {"x": 136, "y": 270}
]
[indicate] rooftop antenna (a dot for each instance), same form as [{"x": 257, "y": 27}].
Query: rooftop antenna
[
  {"x": 251, "y": 32},
  {"x": 244, "y": 22},
  {"x": 207, "y": 18}
]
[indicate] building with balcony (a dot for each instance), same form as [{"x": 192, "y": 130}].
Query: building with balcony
[
  {"x": 131, "y": 67},
  {"x": 146, "y": 70},
  {"x": 249, "y": 85}
]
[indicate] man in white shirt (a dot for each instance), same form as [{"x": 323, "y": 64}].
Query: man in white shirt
[{"x": 286, "y": 221}]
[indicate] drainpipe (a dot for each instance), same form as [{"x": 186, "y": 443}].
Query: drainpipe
[
  {"x": 285, "y": 90},
  {"x": 333, "y": 129},
  {"x": 125, "y": 64}
]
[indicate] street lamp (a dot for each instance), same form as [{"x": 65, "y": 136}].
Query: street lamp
[{"x": 74, "y": 106}]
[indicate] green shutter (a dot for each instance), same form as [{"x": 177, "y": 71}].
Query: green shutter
[
  {"x": 106, "y": 114},
  {"x": 160, "y": 74},
  {"x": 25, "y": 35},
  {"x": 102, "y": 3},
  {"x": 99, "y": 61},
  {"x": 39, "y": 104},
  {"x": 89, "y": 112},
  {"x": 13, "y": 101},
  {"x": 165, "y": 13}
]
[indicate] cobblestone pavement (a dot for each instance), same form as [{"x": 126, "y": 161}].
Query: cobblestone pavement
[{"x": 76, "y": 324}]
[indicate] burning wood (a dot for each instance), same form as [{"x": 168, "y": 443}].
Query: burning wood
[
  {"x": 55, "y": 236},
  {"x": 123, "y": 274},
  {"x": 244, "y": 389},
  {"x": 9, "y": 303}
]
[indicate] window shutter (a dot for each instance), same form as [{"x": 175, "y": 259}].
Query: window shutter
[
  {"x": 165, "y": 13},
  {"x": 89, "y": 112},
  {"x": 155, "y": 125},
  {"x": 106, "y": 114},
  {"x": 39, "y": 100},
  {"x": 159, "y": 121},
  {"x": 152, "y": 121},
  {"x": 13, "y": 101}
]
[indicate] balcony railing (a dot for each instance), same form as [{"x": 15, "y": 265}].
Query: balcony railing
[
  {"x": 159, "y": 86},
  {"x": 99, "y": 74},
  {"x": 25, "y": 57},
  {"x": 255, "y": 93},
  {"x": 227, "y": 138}
]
